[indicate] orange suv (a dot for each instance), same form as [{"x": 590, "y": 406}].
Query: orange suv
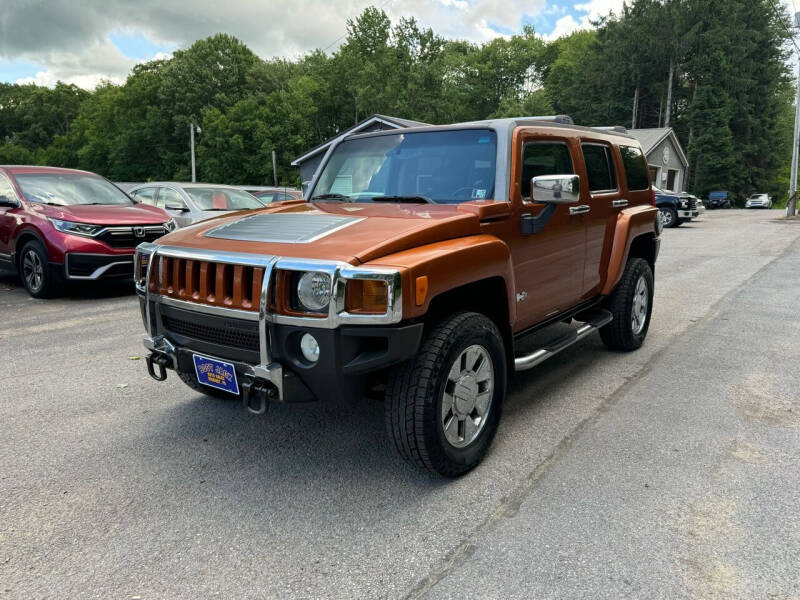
[{"x": 420, "y": 262}]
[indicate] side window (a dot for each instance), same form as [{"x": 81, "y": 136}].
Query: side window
[
  {"x": 169, "y": 197},
  {"x": 7, "y": 190},
  {"x": 599, "y": 167},
  {"x": 543, "y": 158},
  {"x": 145, "y": 195},
  {"x": 635, "y": 168}
]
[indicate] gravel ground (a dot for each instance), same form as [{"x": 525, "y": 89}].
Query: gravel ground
[{"x": 668, "y": 473}]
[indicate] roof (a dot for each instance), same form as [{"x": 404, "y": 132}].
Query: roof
[
  {"x": 391, "y": 122},
  {"x": 651, "y": 138},
  {"x": 17, "y": 169},
  {"x": 509, "y": 123},
  {"x": 186, "y": 184}
]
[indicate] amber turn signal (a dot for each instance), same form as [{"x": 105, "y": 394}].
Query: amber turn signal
[
  {"x": 421, "y": 290},
  {"x": 366, "y": 296}
]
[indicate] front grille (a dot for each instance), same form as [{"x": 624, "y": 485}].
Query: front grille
[
  {"x": 218, "y": 284},
  {"x": 692, "y": 204},
  {"x": 130, "y": 237},
  {"x": 244, "y": 336}
]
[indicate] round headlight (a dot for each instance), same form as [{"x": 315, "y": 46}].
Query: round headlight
[
  {"x": 314, "y": 291},
  {"x": 309, "y": 347}
]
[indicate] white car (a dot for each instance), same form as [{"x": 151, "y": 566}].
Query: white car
[{"x": 758, "y": 201}]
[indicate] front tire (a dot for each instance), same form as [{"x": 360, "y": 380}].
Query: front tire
[
  {"x": 443, "y": 406},
  {"x": 669, "y": 217},
  {"x": 38, "y": 277},
  {"x": 631, "y": 305}
]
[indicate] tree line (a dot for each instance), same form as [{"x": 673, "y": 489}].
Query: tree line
[{"x": 714, "y": 70}]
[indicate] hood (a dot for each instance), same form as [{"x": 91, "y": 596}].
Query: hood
[
  {"x": 104, "y": 214},
  {"x": 346, "y": 232}
]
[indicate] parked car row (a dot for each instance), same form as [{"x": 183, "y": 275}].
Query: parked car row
[{"x": 58, "y": 225}]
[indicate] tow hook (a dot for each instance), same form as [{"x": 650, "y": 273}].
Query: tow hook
[
  {"x": 156, "y": 359},
  {"x": 256, "y": 394}
]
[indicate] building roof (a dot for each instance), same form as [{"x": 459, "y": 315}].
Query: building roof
[
  {"x": 651, "y": 138},
  {"x": 390, "y": 122}
]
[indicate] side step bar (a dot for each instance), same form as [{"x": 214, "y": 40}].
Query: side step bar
[{"x": 593, "y": 319}]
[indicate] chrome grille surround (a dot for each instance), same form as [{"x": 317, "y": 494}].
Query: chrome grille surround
[{"x": 340, "y": 273}]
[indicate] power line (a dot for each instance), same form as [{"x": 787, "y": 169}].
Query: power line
[{"x": 781, "y": 19}]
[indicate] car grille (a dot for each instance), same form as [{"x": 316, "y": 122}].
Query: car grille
[
  {"x": 692, "y": 204},
  {"x": 244, "y": 337},
  {"x": 130, "y": 237},
  {"x": 218, "y": 284}
]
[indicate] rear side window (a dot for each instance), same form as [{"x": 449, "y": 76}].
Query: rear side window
[
  {"x": 599, "y": 167},
  {"x": 543, "y": 158},
  {"x": 635, "y": 168}
]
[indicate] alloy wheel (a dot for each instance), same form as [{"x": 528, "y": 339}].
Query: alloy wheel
[
  {"x": 467, "y": 396},
  {"x": 33, "y": 270},
  {"x": 640, "y": 303}
]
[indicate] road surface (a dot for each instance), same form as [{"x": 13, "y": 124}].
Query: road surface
[{"x": 672, "y": 472}]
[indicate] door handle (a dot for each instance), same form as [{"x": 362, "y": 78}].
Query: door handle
[
  {"x": 579, "y": 210},
  {"x": 619, "y": 203}
]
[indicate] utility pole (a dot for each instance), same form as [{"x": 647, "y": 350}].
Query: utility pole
[
  {"x": 635, "y": 107},
  {"x": 790, "y": 206},
  {"x": 192, "y": 127},
  {"x": 274, "y": 169}
]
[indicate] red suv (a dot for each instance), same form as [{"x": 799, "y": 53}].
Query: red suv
[{"x": 59, "y": 224}]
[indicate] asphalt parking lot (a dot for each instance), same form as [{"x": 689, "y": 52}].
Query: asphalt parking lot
[{"x": 673, "y": 472}]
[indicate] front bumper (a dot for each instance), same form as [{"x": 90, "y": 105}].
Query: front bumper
[
  {"x": 88, "y": 266},
  {"x": 265, "y": 348},
  {"x": 687, "y": 214}
]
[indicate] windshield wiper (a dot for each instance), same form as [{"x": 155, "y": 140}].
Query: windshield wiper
[
  {"x": 407, "y": 199},
  {"x": 341, "y": 197}
]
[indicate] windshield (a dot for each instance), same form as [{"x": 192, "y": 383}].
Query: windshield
[
  {"x": 217, "y": 198},
  {"x": 445, "y": 167},
  {"x": 757, "y": 196},
  {"x": 70, "y": 189}
]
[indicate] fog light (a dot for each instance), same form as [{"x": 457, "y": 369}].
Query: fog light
[{"x": 309, "y": 347}]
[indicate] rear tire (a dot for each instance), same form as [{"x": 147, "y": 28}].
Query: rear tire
[
  {"x": 443, "y": 406},
  {"x": 38, "y": 276},
  {"x": 631, "y": 304},
  {"x": 190, "y": 379}
]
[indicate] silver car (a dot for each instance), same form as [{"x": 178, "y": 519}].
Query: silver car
[
  {"x": 189, "y": 203},
  {"x": 758, "y": 201}
]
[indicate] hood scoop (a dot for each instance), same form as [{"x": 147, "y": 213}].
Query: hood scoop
[{"x": 282, "y": 228}]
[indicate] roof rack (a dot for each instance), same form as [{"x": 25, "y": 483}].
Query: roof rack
[
  {"x": 617, "y": 128},
  {"x": 562, "y": 119}
]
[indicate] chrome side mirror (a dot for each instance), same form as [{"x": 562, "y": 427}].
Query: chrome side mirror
[{"x": 556, "y": 189}]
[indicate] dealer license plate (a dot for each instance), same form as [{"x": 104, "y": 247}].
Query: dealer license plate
[{"x": 215, "y": 373}]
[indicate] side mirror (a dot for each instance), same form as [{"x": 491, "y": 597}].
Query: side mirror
[
  {"x": 552, "y": 190},
  {"x": 176, "y": 206},
  {"x": 6, "y": 201},
  {"x": 556, "y": 189}
]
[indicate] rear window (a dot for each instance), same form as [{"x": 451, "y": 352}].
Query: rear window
[
  {"x": 599, "y": 167},
  {"x": 635, "y": 167}
]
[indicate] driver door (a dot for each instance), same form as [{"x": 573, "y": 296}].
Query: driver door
[
  {"x": 8, "y": 220},
  {"x": 548, "y": 266}
]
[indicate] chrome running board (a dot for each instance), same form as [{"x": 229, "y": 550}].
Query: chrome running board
[{"x": 593, "y": 319}]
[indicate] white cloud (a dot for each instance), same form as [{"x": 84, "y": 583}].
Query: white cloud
[{"x": 70, "y": 39}]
